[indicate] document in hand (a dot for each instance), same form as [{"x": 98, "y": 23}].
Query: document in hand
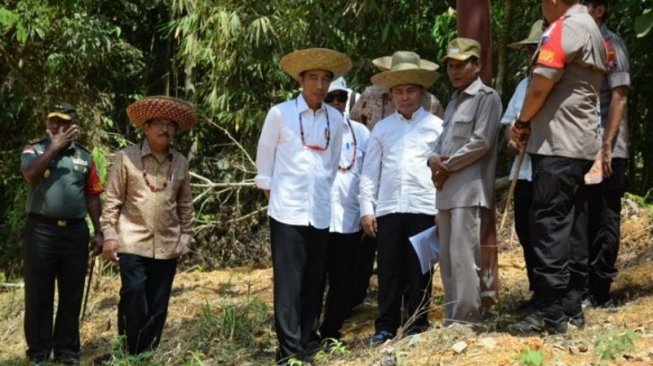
[{"x": 427, "y": 247}]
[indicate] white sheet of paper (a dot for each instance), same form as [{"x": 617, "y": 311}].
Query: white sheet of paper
[{"x": 427, "y": 247}]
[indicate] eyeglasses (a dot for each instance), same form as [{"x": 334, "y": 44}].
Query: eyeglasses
[
  {"x": 340, "y": 97},
  {"x": 164, "y": 125}
]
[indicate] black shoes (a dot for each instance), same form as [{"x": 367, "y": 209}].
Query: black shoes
[
  {"x": 380, "y": 337},
  {"x": 592, "y": 303},
  {"x": 538, "y": 322},
  {"x": 526, "y": 305},
  {"x": 577, "y": 320}
]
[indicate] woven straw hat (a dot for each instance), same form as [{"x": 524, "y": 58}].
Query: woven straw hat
[
  {"x": 299, "y": 61},
  {"x": 384, "y": 63},
  {"x": 161, "y": 106},
  {"x": 406, "y": 68},
  {"x": 533, "y": 38}
]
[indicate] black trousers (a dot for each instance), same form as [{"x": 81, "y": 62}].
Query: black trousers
[
  {"x": 340, "y": 270},
  {"x": 53, "y": 253},
  {"x": 604, "y": 230},
  {"x": 559, "y": 232},
  {"x": 522, "y": 208},
  {"x": 364, "y": 266},
  {"x": 144, "y": 297},
  {"x": 399, "y": 272},
  {"x": 298, "y": 261}
]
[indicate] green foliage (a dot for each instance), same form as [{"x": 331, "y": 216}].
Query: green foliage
[
  {"x": 530, "y": 357},
  {"x": 644, "y": 23},
  {"x": 610, "y": 344},
  {"x": 100, "y": 159},
  {"x": 332, "y": 348},
  {"x": 121, "y": 357}
]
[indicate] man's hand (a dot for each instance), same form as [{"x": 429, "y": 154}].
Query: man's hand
[
  {"x": 62, "y": 137},
  {"x": 439, "y": 171},
  {"x": 109, "y": 250},
  {"x": 369, "y": 225},
  {"x": 266, "y": 192},
  {"x": 96, "y": 244},
  {"x": 512, "y": 147},
  {"x": 606, "y": 160},
  {"x": 519, "y": 135}
]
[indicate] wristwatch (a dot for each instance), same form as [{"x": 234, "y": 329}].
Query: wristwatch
[{"x": 522, "y": 124}]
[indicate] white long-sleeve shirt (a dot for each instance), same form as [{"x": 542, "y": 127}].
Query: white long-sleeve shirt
[
  {"x": 299, "y": 178},
  {"x": 395, "y": 176},
  {"x": 345, "y": 212},
  {"x": 512, "y": 113}
]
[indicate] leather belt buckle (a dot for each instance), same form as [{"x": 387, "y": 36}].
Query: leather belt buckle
[{"x": 62, "y": 223}]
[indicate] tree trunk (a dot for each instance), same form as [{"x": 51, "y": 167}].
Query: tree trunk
[
  {"x": 474, "y": 22},
  {"x": 502, "y": 47}
]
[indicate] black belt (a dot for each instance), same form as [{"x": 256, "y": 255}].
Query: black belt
[{"x": 55, "y": 221}]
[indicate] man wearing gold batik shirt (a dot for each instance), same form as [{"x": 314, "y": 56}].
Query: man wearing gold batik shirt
[{"x": 147, "y": 220}]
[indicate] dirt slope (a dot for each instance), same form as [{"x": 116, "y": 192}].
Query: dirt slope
[{"x": 223, "y": 318}]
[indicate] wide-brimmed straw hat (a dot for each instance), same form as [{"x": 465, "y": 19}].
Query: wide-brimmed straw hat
[
  {"x": 406, "y": 68},
  {"x": 385, "y": 63},
  {"x": 164, "y": 107},
  {"x": 533, "y": 38},
  {"x": 299, "y": 61}
]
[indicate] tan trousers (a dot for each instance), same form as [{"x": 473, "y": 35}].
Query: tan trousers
[{"x": 460, "y": 261}]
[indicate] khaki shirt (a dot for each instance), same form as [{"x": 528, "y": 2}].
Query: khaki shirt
[
  {"x": 618, "y": 75},
  {"x": 572, "y": 54},
  {"x": 150, "y": 224},
  {"x": 471, "y": 122},
  {"x": 375, "y": 104}
]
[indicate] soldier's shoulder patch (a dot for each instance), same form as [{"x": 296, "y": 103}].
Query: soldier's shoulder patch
[{"x": 37, "y": 140}]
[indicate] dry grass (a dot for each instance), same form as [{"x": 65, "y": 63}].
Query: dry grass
[{"x": 209, "y": 311}]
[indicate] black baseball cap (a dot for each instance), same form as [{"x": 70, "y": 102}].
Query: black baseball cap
[{"x": 63, "y": 110}]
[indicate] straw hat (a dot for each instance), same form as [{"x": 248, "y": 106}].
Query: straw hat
[
  {"x": 165, "y": 107},
  {"x": 384, "y": 63},
  {"x": 299, "y": 61},
  {"x": 533, "y": 38},
  {"x": 406, "y": 68}
]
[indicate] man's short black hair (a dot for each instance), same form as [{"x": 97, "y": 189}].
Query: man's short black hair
[
  {"x": 301, "y": 74},
  {"x": 595, "y": 2}
]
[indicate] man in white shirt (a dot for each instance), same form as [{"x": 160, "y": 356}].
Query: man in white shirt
[
  {"x": 345, "y": 228},
  {"x": 397, "y": 195},
  {"x": 297, "y": 159},
  {"x": 524, "y": 187}
]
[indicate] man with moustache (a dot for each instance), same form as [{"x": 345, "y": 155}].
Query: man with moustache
[
  {"x": 147, "y": 220},
  {"x": 560, "y": 117},
  {"x": 64, "y": 186},
  {"x": 297, "y": 159},
  {"x": 396, "y": 194},
  {"x": 463, "y": 172}
]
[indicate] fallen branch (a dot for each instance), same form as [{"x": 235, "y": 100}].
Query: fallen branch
[{"x": 226, "y": 132}]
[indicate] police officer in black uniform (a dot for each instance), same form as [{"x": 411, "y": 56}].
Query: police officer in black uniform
[{"x": 64, "y": 187}]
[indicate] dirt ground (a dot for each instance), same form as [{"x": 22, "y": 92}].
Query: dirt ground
[{"x": 196, "y": 291}]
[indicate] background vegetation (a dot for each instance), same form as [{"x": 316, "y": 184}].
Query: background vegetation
[{"x": 223, "y": 56}]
